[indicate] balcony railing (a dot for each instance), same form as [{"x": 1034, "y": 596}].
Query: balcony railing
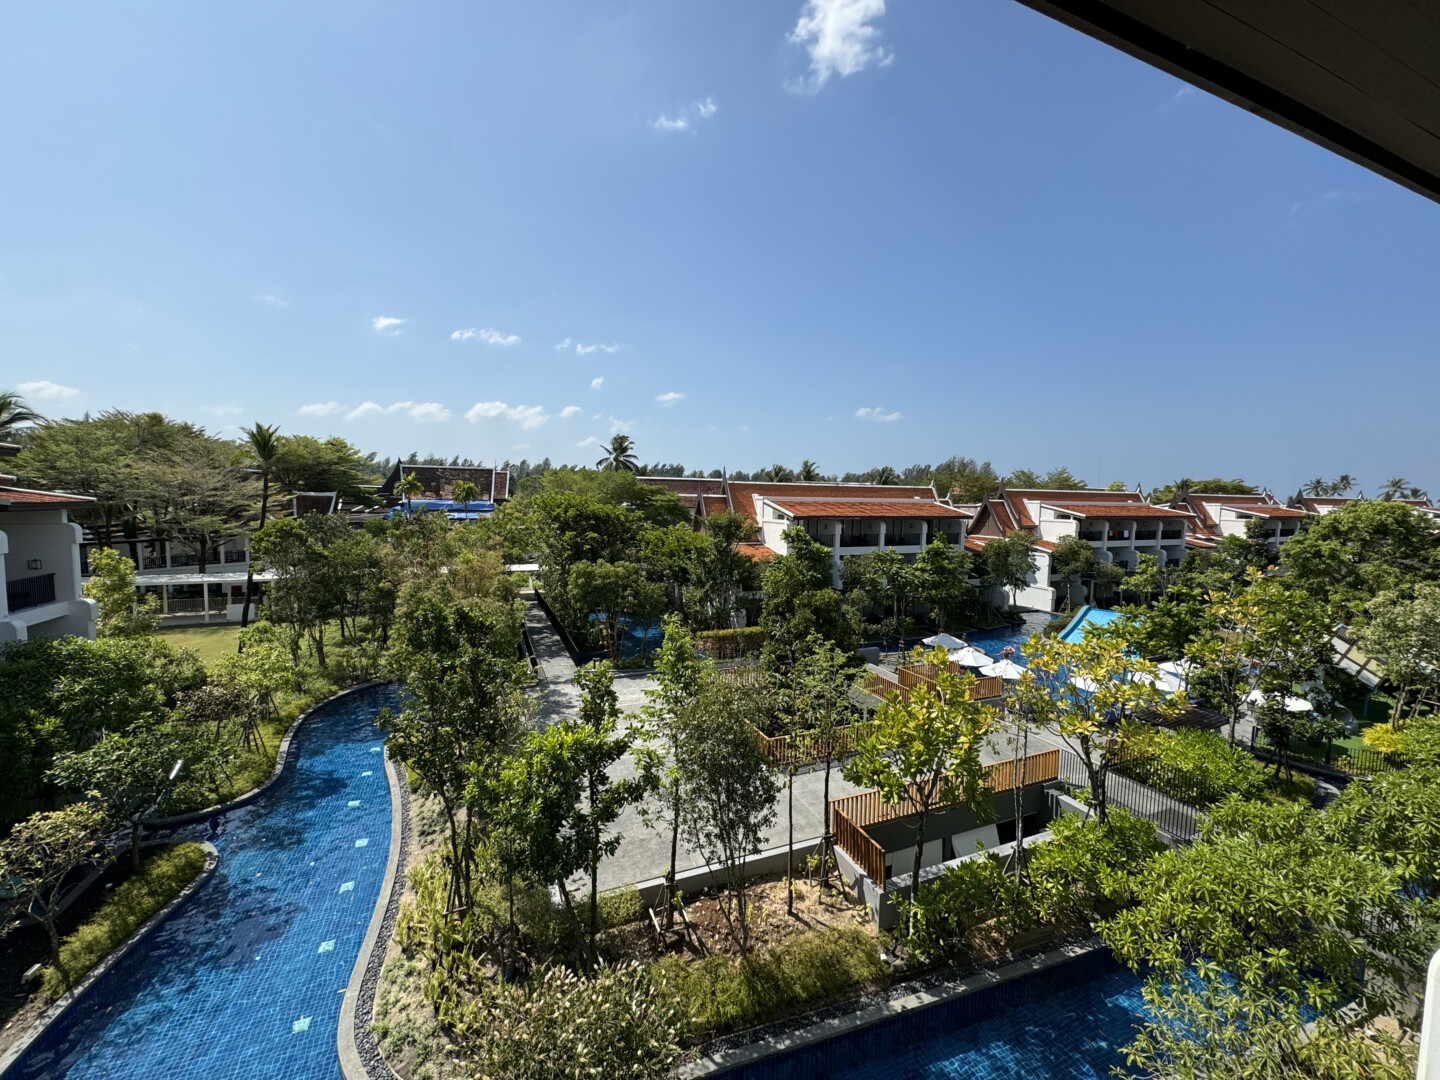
[
  {"x": 903, "y": 540},
  {"x": 196, "y": 606},
  {"x": 234, "y": 556},
  {"x": 860, "y": 540},
  {"x": 28, "y": 592},
  {"x": 1151, "y": 535},
  {"x": 1092, "y": 536},
  {"x": 1178, "y": 534}
]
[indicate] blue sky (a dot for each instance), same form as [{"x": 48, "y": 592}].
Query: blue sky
[{"x": 742, "y": 232}]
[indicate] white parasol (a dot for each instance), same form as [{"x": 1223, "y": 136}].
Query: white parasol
[
  {"x": 970, "y": 656},
  {"x": 1006, "y": 669},
  {"x": 944, "y": 641}
]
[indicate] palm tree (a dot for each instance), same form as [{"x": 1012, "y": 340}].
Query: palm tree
[
  {"x": 13, "y": 413},
  {"x": 261, "y": 450},
  {"x": 408, "y": 488},
  {"x": 464, "y": 492},
  {"x": 886, "y": 475},
  {"x": 808, "y": 471},
  {"x": 1316, "y": 488},
  {"x": 619, "y": 456},
  {"x": 1395, "y": 488}
]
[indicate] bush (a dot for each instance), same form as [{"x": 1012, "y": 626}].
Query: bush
[
  {"x": 730, "y": 644},
  {"x": 724, "y": 996},
  {"x": 615, "y": 1023},
  {"x": 1198, "y": 767},
  {"x": 1086, "y": 865},
  {"x": 950, "y": 908},
  {"x": 159, "y": 880}
]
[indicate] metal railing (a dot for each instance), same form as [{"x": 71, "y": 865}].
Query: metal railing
[
  {"x": 28, "y": 592},
  {"x": 195, "y": 605},
  {"x": 1350, "y": 760},
  {"x": 1170, "y": 814}
]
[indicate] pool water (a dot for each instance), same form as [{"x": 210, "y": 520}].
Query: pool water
[
  {"x": 1066, "y": 1023},
  {"x": 246, "y": 979}
]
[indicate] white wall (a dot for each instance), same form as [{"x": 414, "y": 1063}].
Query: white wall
[{"x": 49, "y": 536}]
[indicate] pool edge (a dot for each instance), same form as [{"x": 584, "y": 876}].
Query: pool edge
[
  {"x": 377, "y": 939},
  {"x": 75, "y": 993},
  {"x": 823, "y": 1030}
]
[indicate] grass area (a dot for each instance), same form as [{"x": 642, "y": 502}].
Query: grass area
[
  {"x": 161, "y": 877},
  {"x": 211, "y": 642},
  {"x": 725, "y": 996}
]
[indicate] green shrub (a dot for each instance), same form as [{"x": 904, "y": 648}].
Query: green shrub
[
  {"x": 1086, "y": 864},
  {"x": 730, "y": 644},
  {"x": 724, "y": 996},
  {"x": 1199, "y": 767},
  {"x": 161, "y": 877},
  {"x": 619, "y": 906},
  {"x": 954, "y": 904}
]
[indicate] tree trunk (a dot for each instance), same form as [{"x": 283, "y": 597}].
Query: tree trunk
[
  {"x": 915, "y": 877},
  {"x": 674, "y": 854},
  {"x": 54, "y": 935},
  {"x": 249, "y": 559},
  {"x": 790, "y": 857},
  {"x": 827, "y": 837},
  {"x": 135, "y": 844},
  {"x": 1097, "y": 782}
]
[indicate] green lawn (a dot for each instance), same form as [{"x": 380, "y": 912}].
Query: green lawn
[{"x": 211, "y": 642}]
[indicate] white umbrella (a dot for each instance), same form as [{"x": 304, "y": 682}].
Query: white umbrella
[
  {"x": 1163, "y": 680},
  {"x": 944, "y": 641},
  {"x": 1006, "y": 669},
  {"x": 1080, "y": 682},
  {"x": 1297, "y": 704},
  {"x": 970, "y": 656}
]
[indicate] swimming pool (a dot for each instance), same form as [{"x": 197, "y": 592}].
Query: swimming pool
[
  {"x": 245, "y": 981},
  {"x": 1065, "y": 1023}
]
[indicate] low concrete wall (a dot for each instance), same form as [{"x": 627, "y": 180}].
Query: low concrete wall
[{"x": 703, "y": 878}]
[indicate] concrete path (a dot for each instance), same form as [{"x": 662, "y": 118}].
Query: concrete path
[{"x": 556, "y": 695}]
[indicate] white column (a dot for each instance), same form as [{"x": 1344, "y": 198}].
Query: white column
[
  {"x": 924, "y": 532},
  {"x": 835, "y": 550},
  {"x": 882, "y": 532}
]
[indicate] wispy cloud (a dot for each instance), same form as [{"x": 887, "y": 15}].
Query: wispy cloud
[
  {"x": 320, "y": 408},
  {"x": 668, "y": 124},
  {"x": 569, "y": 411},
  {"x": 706, "y": 108},
  {"x": 222, "y": 410},
  {"x": 427, "y": 412},
  {"x": 489, "y": 335},
  {"x": 527, "y": 416},
  {"x": 1310, "y": 206},
  {"x": 563, "y": 344},
  {"x": 586, "y": 350},
  {"x": 45, "y": 390},
  {"x": 877, "y": 413},
  {"x": 271, "y": 300},
  {"x": 700, "y": 110},
  {"x": 597, "y": 382},
  {"x": 669, "y": 398},
  {"x": 1176, "y": 98},
  {"x": 591, "y": 441},
  {"x": 387, "y": 324},
  {"x": 617, "y": 425},
  {"x": 840, "y": 39}
]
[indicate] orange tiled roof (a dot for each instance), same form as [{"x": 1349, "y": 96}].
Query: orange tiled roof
[
  {"x": 901, "y": 508},
  {"x": 758, "y": 552},
  {"x": 714, "y": 504},
  {"x": 28, "y": 497},
  {"x": 742, "y": 493},
  {"x": 1120, "y": 510},
  {"x": 686, "y": 485}
]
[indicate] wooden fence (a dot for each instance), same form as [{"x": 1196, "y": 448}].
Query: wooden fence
[
  {"x": 850, "y": 814},
  {"x": 908, "y": 677},
  {"x": 805, "y": 747}
]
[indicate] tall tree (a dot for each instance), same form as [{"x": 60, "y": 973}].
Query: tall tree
[
  {"x": 1360, "y": 550},
  {"x": 261, "y": 450},
  {"x": 40, "y": 855},
  {"x": 941, "y": 576},
  {"x": 924, "y": 752},
  {"x": 800, "y": 600},
  {"x": 1072, "y": 558},
  {"x": 808, "y": 471},
  {"x": 464, "y": 492},
  {"x": 112, "y": 587},
  {"x": 821, "y": 681},
  {"x": 680, "y": 673},
  {"x": 409, "y": 488},
  {"x": 619, "y": 455},
  {"x": 1010, "y": 562}
]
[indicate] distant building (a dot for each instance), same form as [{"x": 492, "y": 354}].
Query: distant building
[
  {"x": 40, "y": 560},
  {"x": 491, "y": 485},
  {"x": 696, "y": 493},
  {"x": 1218, "y": 516}
]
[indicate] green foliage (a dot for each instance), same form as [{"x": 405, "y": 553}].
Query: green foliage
[
  {"x": 801, "y": 601},
  {"x": 40, "y": 855},
  {"x": 1060, "y": 479},
  {"x": 1216, "y": 485},
  {"x": 1403, "y": 633},
  {"x": 112, "y": 587},
  {"x": 962, "y": 480},
  {"x": 1086, "y": 865},
  {"x": 617, "y": 1022},
  {"x": 615, "y": 593},
  {"x": 1210, "y": 768},
  {"x": 164, "y": 872},
  {"x": 1010, "y": 562},
  {"x": 1360, "y": 550},
  {"x": 940, "y": 577},
  {"x": 731, "y": 644},
  {"x": 723, "y": 996},
  {"x": 964, "y": 897}
]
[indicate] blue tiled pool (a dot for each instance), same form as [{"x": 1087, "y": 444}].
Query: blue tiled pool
[
  {"x": 246, "y": 980},
  {"x": 1067, "y": 1023}
]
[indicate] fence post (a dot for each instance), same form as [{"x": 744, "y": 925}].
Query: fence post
[{"x": 1329, "y": 748}]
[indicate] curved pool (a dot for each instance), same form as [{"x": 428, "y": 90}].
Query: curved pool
[{"x": 246, "y": 979}]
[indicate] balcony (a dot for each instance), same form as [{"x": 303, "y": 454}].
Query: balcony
[
  {"x": 234, "y": 556},
  {"x": 29, "y": 592},
  {"x": 1178, "y": 534},
  {"x": 1149, "y": 534},
  {"x": 1093, "y": 537},
  {"x": 903, "y": 540}
]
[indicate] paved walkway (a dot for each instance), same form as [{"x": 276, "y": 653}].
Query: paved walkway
[{"x": 556, "y": 695}]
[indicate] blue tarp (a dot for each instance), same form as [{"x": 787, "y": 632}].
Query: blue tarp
[{"x": 455, "y": 510}]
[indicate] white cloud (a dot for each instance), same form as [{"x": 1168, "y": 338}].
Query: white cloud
[
  {"x": 617, "y": 426},
  {"x": 669, "y": 398},
  {"x": 489, "y": 335},
  {"x": 45, "y": 390},
  {"x": 360, "y": 412},
  {"x": 428, "y": 412},
  {"x": 569, "y": 411},
  {"x": 320, "y": 408},
  {"x": 597, "y": 416},
  {"x": 877, "y": 413},
  {"x": 591, "y": 441},
  {"x": 586, "y": 350},
  {"x": 527, "y": 416},
  {"x": 596, "y": 383},
  {"x": 272, "y": 300},
  {"x": 840, "y": 39},
  {"x": 665, "y": 123},
  {"x": 563, "y": 344},
  {"x": 1177, "y": 97},
  {"x": 222, "y": 410},
  {"x": 707, "y": 108},
  {"x": 385, "y": 322}
]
